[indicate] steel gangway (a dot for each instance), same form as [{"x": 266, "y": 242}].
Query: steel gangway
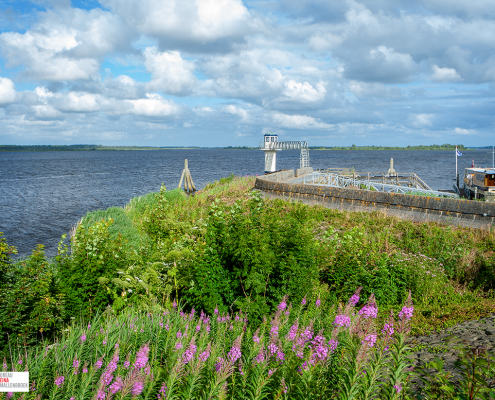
[{"x": 341, "y": 181}]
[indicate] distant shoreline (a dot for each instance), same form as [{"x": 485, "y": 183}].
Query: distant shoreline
[{"x": 90, "y": 147}]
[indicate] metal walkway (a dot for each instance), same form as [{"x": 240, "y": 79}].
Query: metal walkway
[
  {"x": 289, "y": 145},
  {"x": 340, "y": 181},
  {"x": 409, "y": 179}
]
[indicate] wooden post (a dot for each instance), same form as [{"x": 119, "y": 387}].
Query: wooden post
[{"x": 187, "y": 178}]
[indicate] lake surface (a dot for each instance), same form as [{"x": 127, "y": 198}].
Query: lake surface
[{"x": 43, "y": 194}]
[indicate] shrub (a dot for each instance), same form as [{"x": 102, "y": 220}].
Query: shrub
[
  {"x": 252, "y": 257},
  {"x": 29, "y": 304},
  {"x": 94, "y": 256}
]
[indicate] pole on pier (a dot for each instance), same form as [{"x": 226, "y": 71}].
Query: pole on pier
[{"x": 187, "y": 178}]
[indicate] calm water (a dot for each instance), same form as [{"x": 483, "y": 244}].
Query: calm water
[{"x": 42, "y": 194}]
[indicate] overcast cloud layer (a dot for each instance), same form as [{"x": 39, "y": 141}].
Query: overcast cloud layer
[{"x": 223, "y": 72}]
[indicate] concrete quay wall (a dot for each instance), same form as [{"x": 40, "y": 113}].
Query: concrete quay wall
[{"x": 474, "y": 214}]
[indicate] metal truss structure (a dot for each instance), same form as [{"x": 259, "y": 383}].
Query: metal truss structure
[
  {"x": 270, "y": 147},
  {"x": 340, "y": 181}
]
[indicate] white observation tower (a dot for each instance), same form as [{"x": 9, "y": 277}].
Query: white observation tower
[{"x": 271, "y": 145}]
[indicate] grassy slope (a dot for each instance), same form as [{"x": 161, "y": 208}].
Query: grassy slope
[{"x": 467, "y": 254}]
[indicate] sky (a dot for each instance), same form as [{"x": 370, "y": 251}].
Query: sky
[{"x": 224, "y": 72}]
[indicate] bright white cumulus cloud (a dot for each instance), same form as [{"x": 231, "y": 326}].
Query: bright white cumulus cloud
[
  {"x": 354, "y": 70},
  {"x": 169, "y": 71},
  {"x": 7, "y": 91},
  {"x": 153, "y": 105}
]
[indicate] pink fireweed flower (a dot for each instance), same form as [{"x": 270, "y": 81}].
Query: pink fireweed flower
[
  {"x": 174, "y": 305},
  {"x": 292, "y": 332},
  {"x": 270, "y": 372},
  {"x": 303, "y": 302},
  {"x": 4, "y": 364},
  {"x": 274, "y": 331},
  {"x": 116, "y": 386},
  {"x": 9, "y": 395},
  {"x": 317, "y": 303},
  {"x": 179, "y": 334},
  {"x": 142, "y": 357},
  {"x": 20, "y": 361},
  {"x": 273, "y": 348},
  {"x": 369, "y": 340},
  {"x": 99, "y": 363},
  {"x": 189, "y": 353},
  {"x": 369, "y": 311},
  {"x": 280, "y": 356},
  {"x": 398, "y": 388},
  {"x": 342, "y": 320},
  {"x": 161, "y": 324},
  {"x": 167, "y": 327},
  {"x": 59, "y": 380},
  {"x": 218, "y": 365},
  {"x": 127, "y": 364},
  {"x": 162, "y": 393},
  {"x": 235, "y": 352},
  {"x": 178, "y": 346},
  {"x": 85, "y": 369},
  {"x": 75, "y": 363},
  {"x": 332, "y": 344},
  {"x": 353, "y": 300},
  {"x": 137, "y": 388},
  {"x": 100, "y": 395},
  {"x": 83, "y": 337},
  {"x": 406, "y": 313},
  {"x": 204, "y": 355},
  {"x": 104, "y": 342},
  {"x": 388, "y": 329},
  {"x": 260, "y": 358},
  {"x": 256, "y": 339},
  {"x": 215, "y": 311},
  {"x": 198, "y": 328},
  {"x": 307, "y": 334},
  {"x": 282, "y": 306}
]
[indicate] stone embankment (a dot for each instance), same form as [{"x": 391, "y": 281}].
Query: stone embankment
[
  {"x": 472, "y": 334},
  {"x": 466, "y": 213}
]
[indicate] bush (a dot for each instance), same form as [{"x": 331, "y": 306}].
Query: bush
[
  {"x": 94, "y": 256},
  {"x": 29, "y": 304},
  {"x": 252, "y": 257}
]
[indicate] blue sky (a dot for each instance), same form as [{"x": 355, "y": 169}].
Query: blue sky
[{"x": 224, "y": 72}]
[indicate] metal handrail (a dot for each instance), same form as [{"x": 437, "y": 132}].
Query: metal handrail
[{"x": 334, "y": 180}]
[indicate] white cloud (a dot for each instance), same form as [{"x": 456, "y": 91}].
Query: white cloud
[
  {"x": 324, "y": 41},
  {"x": 231, "y": 109},
  {"x": 299, "y": 122},
  {"x": 169, "y": 71},
  {"x": 186, "y": 21},
  {"x": 65, "y": 45},
  {"x": 462, "y": 131},
  {"x": 154, "y": 106},
  {"x": 422, "y": 120},
  {"x": 304, "y": 92},
  {"x": 445, "y": 74},
  {"x": 7, "y": 91},
  {"x": 79, "y": 102}
]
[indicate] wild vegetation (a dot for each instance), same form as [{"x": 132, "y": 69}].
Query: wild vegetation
[{"x": 229, "y": 253}]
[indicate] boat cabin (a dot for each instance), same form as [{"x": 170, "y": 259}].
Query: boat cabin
[{"x": 480, "y": 181}]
